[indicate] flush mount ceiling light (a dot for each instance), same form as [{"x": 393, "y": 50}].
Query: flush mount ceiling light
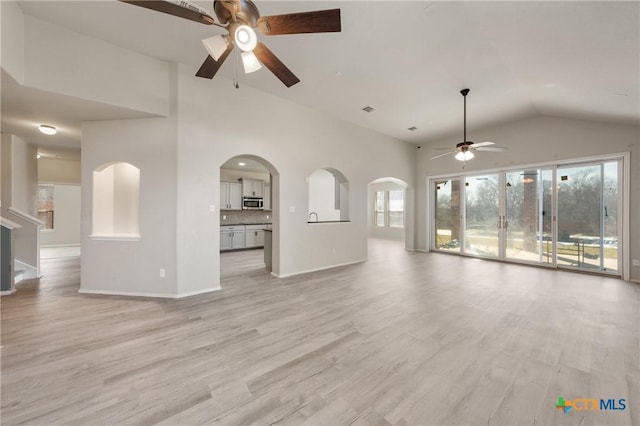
[
  {"x": 47, "y": 130},
  {"x": 242, "y": 164}
]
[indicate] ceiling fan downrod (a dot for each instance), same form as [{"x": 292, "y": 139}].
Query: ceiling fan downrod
[{"x": 464, "y": 93}]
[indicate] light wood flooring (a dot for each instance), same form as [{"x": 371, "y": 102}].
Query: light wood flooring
[{"x": 403, "y": 339}]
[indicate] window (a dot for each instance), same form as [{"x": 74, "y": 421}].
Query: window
[
  {"x": 389, "y": 208},
  {"x": 45, "y": 205}
]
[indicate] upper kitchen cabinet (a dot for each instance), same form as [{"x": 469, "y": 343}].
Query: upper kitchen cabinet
[
  {"x": 267, "y": 196},
  {"x": 230, "y": 196},
  {"x": 252, "y": 188}
]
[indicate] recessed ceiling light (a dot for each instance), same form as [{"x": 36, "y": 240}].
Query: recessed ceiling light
[
  {"x": 412, "y": 128},
  {"x": 47, "y": 130},
  {"x": 368, "y": 109},
  {"x": 242, "y": 164}
]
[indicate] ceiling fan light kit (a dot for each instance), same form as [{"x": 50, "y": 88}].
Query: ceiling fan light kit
[
  {"x": 464, "y": 150},
  {"x": 216, "y": 45},
  {"x": 240, "y": 18},
  {"x": 250, "y": 62}
]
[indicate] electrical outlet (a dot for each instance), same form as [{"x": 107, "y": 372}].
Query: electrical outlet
[
  {"x": 292, "y": 209},
  {"x": 163, "y": 273},
  {"x": 212, "y": 208},
  {"x": 268, "y": 216},
  {"x": 224, "y": 217},
  {"x": 636, "y": 262}
]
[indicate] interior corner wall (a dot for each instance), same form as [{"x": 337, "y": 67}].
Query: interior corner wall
[
  {"x": 5, "y": 178},
  {"x": 132, "y": 267},
  {"x": 24, "y": 176},
  {"x": 217, "y": 122},
  {"x": 538, "y": 140},
  {"x": 12, "y": 39}
]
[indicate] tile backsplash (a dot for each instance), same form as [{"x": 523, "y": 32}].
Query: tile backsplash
[{"x": 245, "y": 217}]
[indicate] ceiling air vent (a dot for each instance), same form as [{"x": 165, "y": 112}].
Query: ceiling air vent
[
  {"x": 412, "y": 128},
  {"x": 368, "y": 109}
]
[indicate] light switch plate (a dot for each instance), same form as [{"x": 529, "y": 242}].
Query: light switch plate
[
  {"x": 292, "y": 209},
  {"x": 212, "y": 208}
]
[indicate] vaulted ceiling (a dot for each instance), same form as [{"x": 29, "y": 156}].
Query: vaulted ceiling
[{"x": 409, "y": 60}]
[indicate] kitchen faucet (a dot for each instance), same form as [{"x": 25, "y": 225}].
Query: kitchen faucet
[{"x": 315, "y": 214}]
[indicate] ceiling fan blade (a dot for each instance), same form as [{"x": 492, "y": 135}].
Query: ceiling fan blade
[
  {"x": 276, "y": 66},
  {"x": 321, "y": 21},
  {"x": 442, "y": 155},
  {"x": 442, "y": 149},
  {"x": 491, "y": 148},
  {"x": 182, "y": 9},
  {"x": 210, "y": 66},
  {"x": 475, "y": 145}
]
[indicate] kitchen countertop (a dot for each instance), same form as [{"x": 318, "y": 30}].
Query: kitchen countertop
[{"x": 243, "y": 224}]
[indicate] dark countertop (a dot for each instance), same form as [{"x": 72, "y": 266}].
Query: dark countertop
[
  {"x": 330, "y": 221},
  {"x": 243, "y": 224}
]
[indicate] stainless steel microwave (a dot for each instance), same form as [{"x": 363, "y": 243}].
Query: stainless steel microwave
[{"x": 252, "y": 203}]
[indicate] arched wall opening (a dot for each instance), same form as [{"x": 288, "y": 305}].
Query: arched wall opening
[
  {"x": 116, "y": 201},
  {"x": 249, "y": 212},
  {"x": 328, "y": 192}
]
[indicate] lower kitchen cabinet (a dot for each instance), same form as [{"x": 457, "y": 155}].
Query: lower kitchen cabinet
[
  {"x": 232, "y": 237},
  {"x": 254, "y": 236}
]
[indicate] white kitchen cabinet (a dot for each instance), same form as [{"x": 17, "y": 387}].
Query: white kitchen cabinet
[
  {"x": 254, "y": 236},
  {"x": 232, "y": 237},
  {"x": 252, "y": 188},
  {"x": 230, "y": 196},
  {"x": 267, "y": 196}
]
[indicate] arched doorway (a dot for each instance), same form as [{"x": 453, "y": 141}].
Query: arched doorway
[
  {"x": 249, "y": 217},
  {"x": 388, "y": 212}
]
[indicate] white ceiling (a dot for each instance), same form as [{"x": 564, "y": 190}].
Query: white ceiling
[{"x": 409, "y": 60}]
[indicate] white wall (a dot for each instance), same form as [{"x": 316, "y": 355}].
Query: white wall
[
  {"x": 55, "y": 170},
  {"x": 62, "y": 61},
  {"x": 66, "y": 199},
  {"x": 297, "y": 141},
  {"x": 383, "y": 232},
  {"x": 12, "y": 35},
  {"x": 538, "y": 140},
  {"x": 132, "y": 267},
  {"x": 24, "y": 176}
]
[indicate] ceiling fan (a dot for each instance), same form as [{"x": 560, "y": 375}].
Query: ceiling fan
[
  {"x": 464, "y": 150},
  {"x": 240, "y": 18}
]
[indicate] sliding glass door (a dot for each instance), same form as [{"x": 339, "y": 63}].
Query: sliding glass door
[
  {"x": 587, "y": 216},
  {"x": 561, "y": 216},
  {"x": 447, "y": 214},
  {"x": 528, "y": 220},
  {"x": 482, "y": 215}
]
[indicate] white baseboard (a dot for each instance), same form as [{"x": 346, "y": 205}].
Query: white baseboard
[
  {"x": 635, "y": 281},
  {"x": 144, "y": 294},
  {"x": 61, "y": 245},
  {"x": 7, "y": 292},
  {"x": 195, "y": 293},
  {"x": 28, "y": 272},
  {"x": 324, "y": 268}
]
